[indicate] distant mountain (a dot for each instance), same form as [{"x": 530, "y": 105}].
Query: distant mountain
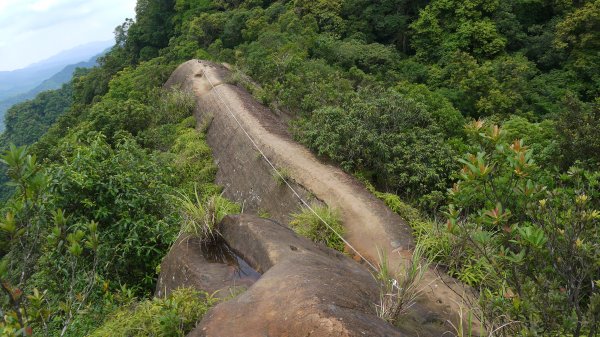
[
  {"x": 20, "y": 81},
  {"x": 54, "y": 82}
]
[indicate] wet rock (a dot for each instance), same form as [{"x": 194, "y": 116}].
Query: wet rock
[
  {"x": 305, "y": 290},
  {"x": 187, "y": 265}
]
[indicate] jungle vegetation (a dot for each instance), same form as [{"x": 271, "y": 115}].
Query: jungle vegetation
[{"x": 476, "y": 120}]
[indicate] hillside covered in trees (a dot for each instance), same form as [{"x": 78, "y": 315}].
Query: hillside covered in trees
[{"x": 478, "y": 121}]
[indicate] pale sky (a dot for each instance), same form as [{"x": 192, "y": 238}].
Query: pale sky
[{"x": 33, "y": 30}]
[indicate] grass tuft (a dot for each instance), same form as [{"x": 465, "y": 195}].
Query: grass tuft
[
  {"x": 283, "y": 175},
  {"x": 200, "y": 218},
  {"x": 399, "y": 291},
  {"x": 309, "y": 225}
]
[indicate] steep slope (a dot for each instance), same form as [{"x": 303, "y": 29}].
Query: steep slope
[{"x": 235, "y": 117}]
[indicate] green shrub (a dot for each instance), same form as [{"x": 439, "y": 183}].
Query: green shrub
[
  {"x": 173, "y": 106},
  {"x": 407, "y": 212},
  {"x": 310, "y": 225},
  {"x": 192, "y": 161},
  {"x": 173, "y": 316},
  {"x": 528, "y": 238},
  {"x": 390, "y": 135}
]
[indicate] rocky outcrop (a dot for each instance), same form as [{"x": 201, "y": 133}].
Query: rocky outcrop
[
  {"x": 187, "y": 265},
  {"x": 237, "y": 123},
  {"x": 304, "y": 290}
]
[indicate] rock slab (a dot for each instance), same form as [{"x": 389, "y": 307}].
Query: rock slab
[{"x": 305, "y": 290}]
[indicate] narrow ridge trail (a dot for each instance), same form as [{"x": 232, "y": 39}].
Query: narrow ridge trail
[{"x": 368, "y": 222}]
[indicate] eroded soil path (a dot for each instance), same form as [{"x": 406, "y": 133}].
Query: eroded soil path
[{"x": 369, "y": 224}]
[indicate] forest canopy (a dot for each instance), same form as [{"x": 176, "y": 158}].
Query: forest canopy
[{"x": 481, "y": 116}]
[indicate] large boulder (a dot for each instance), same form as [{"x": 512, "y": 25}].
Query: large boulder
[{"x": 304, "y": 290}]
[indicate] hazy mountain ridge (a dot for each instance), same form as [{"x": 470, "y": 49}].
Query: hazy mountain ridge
[
  {"x": 54, "y": 82},
  {"x": 19, "y": 81}
]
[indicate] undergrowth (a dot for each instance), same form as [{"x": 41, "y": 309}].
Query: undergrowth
[
  {"x": 308, "y": 224},
  {"x": 173, "y": 316}
]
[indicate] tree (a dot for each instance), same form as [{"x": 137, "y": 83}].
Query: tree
[
  {"x": 579, "y": 35},
  {"x": 447, "y": 26}
]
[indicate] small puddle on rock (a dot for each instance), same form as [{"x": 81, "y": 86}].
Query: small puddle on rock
[
  {"x": 219, "y": 252},
  {"x": 245, "y": 271}
]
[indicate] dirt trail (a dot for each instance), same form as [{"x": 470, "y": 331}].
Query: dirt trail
[{"x": 369, "y": 224}]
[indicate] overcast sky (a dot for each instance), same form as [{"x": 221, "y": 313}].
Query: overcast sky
[{"x": 33, "y": 30}]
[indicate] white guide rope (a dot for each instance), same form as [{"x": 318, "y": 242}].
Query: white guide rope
[{"x": 283, "y": 178}]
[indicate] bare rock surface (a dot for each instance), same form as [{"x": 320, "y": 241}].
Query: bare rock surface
[
  {"x": 238, "y": 124},
  {"x": 305, "y": 290},
  {"x": 186, "y": 265}
]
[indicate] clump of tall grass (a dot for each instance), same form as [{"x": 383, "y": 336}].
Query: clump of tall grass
[
  {"x": 281, "y": 175},
  {"x": 400, "y": 290},
  {"x": 310, "y": 225},
  {"x": 201, "y": 216},
  {"x": 468, "y": 325},
  {"x": 174, "y": 105}
]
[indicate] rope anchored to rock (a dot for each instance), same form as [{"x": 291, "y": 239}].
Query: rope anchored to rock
[{"x": 283, "y": 178}]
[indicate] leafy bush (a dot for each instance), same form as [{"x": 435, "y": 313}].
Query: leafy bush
[
  {"x": 116, "y": 186},
  {"x": 175, "y": 315},
  {"x": 124, "y": 189},
  {"x": 389, "y": 136},
  {"x": 310, "y": 225},
  {"x": 577, "y": 127},
  {"x": 533, "y": 239}
]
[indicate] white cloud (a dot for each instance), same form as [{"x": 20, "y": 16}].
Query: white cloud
[
  {"x": 32, "y": 30},
  {"x": 42, "y": 5}
]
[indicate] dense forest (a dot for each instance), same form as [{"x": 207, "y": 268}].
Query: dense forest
[{"x": 476, "y": 120}]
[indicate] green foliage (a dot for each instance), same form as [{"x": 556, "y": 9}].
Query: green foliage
[
  {"x": 386, "y": 22},
  {"x": 20, "y": 236},
  {"x": 399, "y": 291},
  {"x": 151, "y": 30},
  {"x": 98, "y": 208},
  {"x": 579, "y": 34},
  {"x": 124, "y": 189},
  {"x": 447, "y": 26},
  {"x": 541, "y": 137},
  {"x": 28, "y": 121},
  {"x": 577, "y": 128},
  {"x": 434, "y": 241},
  {"x": 175, "y": 315},
  {"x": 370, "y": 58},
  {"x": 482, "y": 88},
  {"x": 200, "y": 218},
  {"x": 392, "y": 136},
  {"x": 311, "y": 225},
  {"x": 380, "y": 88},
  {"x": 525, "y": 237}
]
